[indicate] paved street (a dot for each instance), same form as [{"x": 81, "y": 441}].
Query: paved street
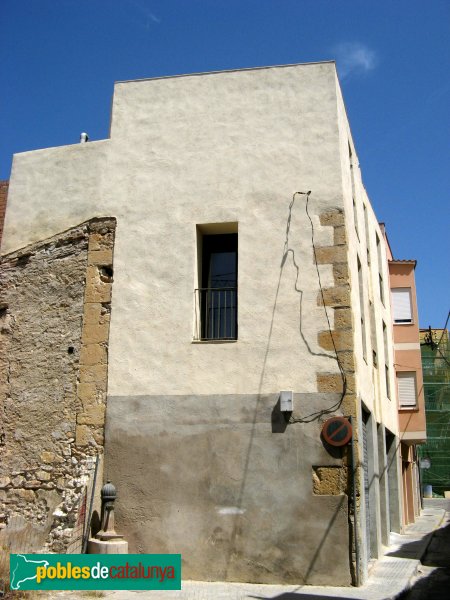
[
  {"x": 429, "y": 538},
  {"x": 433, "y": 577}
]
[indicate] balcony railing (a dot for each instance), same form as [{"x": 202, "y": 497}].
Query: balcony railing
[{"x": 217, "y": 308}]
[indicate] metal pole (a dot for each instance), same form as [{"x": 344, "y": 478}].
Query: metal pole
[{"x": 355, "y": 520}]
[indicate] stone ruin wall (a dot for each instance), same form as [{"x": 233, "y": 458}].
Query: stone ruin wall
[{"x": 54, "y": 328}]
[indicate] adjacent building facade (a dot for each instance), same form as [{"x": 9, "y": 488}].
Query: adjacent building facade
[
  {"x": 409, "y": 380},
  {"x": 223, "y": 250}
]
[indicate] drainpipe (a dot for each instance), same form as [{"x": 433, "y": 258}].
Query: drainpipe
[{"x": 355, "y": 519}]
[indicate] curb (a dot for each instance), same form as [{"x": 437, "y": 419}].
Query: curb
[{"x": 444, "y": 512}]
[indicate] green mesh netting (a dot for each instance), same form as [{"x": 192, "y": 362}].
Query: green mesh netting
[{"x": 436, "y": 383}]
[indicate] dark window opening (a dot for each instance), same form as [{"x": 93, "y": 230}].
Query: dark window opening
[{"x": 218, "y": 294}]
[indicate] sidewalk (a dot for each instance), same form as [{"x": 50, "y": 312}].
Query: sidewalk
[{"x": 391, "y": 574}]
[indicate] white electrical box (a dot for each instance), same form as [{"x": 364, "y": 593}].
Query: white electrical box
[{"x": 286, "y": 401}]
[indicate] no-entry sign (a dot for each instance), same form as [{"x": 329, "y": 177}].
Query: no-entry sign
[{"x": 337, "y": 431}]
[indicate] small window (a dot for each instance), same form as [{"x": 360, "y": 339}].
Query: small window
[
  {"x": 401, "y": 304},
  {"x": 406, "y": 384},
  {"x": 217, "y": 296}
]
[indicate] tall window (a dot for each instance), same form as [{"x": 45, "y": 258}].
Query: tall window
[
  {"x": 401, "y": 304},
  {"x": 218, "y": 293}
]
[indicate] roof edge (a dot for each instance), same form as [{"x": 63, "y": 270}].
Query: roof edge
[
  {"x": 397, "y": 261},
  {"x": 319, "y": 62}
]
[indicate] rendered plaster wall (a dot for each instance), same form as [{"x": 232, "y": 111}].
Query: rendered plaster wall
[
  {"x": 223, "y": 480},
  {"x": 361, "y": 238},
  {"x": 59, "y": 187},
  {"x": 228, "y": 148}
]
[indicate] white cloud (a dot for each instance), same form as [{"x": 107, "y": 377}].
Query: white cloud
[
  {"x": 147, "y": 15},
  {"x": 354, "y": 58}
]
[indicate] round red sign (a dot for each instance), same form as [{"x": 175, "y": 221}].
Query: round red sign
[{"x": 337, "y": 431}]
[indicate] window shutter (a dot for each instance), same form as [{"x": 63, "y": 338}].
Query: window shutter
[
  {"x": 401, "y": 300},
  {"x": 407, "y": 396}
]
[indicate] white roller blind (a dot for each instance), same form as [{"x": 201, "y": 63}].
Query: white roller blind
[
  {"x": 407, "y": 389},
  {"x": 401, "y": 301}
]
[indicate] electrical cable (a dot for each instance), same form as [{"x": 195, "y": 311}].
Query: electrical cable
[
  {"x": 326, "y": 411},
  {"x": 442, "y": 356},
  {"x": 445, "y": 328}
]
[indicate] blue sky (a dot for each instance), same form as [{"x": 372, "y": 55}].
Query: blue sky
[{"x": 60, "y": 58}]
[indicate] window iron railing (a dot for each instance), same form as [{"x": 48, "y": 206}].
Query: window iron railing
[{"x": 217, "y": 308}]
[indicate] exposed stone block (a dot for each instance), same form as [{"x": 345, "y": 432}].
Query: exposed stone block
[
  {"x": 86, "y": 392},
  {"x": 93, "y": 354},
  {"x": 18, "y": 481},
  {"x": 99, "y": 436},
  {"x": 83, "y": 435},
  {"x": 33, "y": 484},
  {"x": 331, "y": 254},
  {"x": 47, "y": 457},
  {"x": 99, "y": 241},
  {"x": 92, "y": 312},
  {"x": 333, "y": 218},
  {"x": 4, "y": 482},
  {"x": 343, "y": 318},
  {"x": 43, "y": 475},
  {"x": 329, "y": 481},
  {"x": 94, "y": 374},
  {"x": 27, "y": 495},
  {"x": 347, "y": 360},
  {"x": 93, "y": 415},
  {"x": 99, "y": 292},
  {"x": 338, "y": 296},
  {"x": 95, "y": 333},
  {"x": 341, "y": 273},
  {"x": 329, "y": 382},
  {"x": 340, "y": 237},
  {"x": 343, "y": 339},
  {"x": 100, "y": 257}
]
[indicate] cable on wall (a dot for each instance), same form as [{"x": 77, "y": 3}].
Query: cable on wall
[{"x": 326, "y": 411}]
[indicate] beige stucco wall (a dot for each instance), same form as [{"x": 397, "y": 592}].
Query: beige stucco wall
[
  {"x": 228, "y": 147},
  {"x": 52, "y": 190}
]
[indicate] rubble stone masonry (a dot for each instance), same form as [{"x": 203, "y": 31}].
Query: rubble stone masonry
[{"x": 54, "y": 327}]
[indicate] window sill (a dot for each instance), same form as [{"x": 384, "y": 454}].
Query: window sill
[
  {"x": 214, "y": 341},
  {"x": 408, "y": 409}
]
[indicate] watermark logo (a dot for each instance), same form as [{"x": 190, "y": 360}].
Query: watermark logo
[{"x": 95, "y": 572}]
